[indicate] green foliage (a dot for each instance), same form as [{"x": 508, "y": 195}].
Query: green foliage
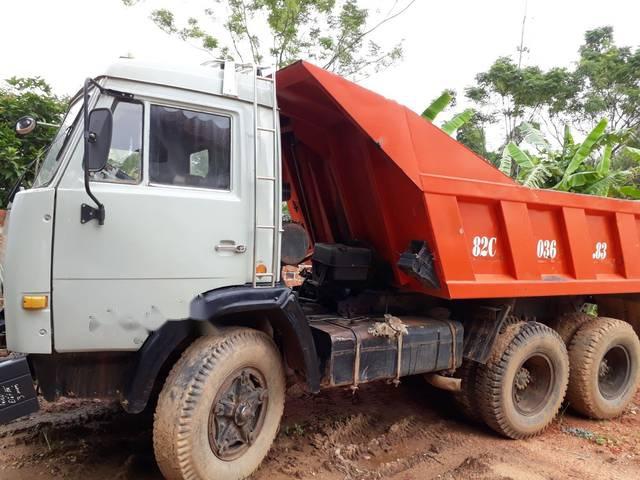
[
  {"x": 438, "y": 105},
  {"x": 335, "y": 34},
  {"x": 585, "y": 148},
  {"x": 599, "y": 97},
  {"x": 447, "y": 98},
  {"x": 510, "y": 94},
  {"x": 472, "y": 135},
  {"x": 582, "y": 168},
  {"x": 605, "y": 83},
  {"x": 609, "y": 81},
  {"x": 451, "y": 126},
  {"x": 19, "y": 97}
]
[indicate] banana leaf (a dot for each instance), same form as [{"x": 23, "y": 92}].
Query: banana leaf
[
  {"x": 579, "y": 179},
  {"x": 630, "y": 191},
  {"x": 602, "y": 186},
  {"x": 536, "y": 177},
  {"x": 634, "y": 152},
  {"x": 605, "y": 162},
  {"x": 533, "y": 136},
  {"x": 458, "y": 121},
  {"x": 437, "y": 106},
  {"x": 505, "y": 162},
  {"x": 520, "y": 156},
  {"x": 587, "y": 147}
]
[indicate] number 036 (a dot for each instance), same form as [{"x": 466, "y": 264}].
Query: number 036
[{"x": 547, "y": 249}]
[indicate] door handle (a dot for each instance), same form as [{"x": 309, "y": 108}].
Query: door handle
[{"x": 230, "y": 246}]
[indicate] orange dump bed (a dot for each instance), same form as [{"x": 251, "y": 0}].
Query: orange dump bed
[{"x": 364, "y": 168}]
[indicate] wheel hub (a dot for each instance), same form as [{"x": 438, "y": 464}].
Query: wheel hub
[
  {"x": 614, "y": 372},
  {"x": 532, "y": 384},
  {"x": 523, "y": 378},
  {"x": 237, "y": 414}
]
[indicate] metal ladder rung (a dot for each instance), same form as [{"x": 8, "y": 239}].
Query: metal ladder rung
[{"x": 275, "y": 228}]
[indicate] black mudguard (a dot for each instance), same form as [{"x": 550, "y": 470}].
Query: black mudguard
[
  {"x": 224, "y": 307},
  {"x": 284, "y": 313}
]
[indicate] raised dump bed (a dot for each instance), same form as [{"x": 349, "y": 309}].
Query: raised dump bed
[{"x": 375, "y": 172}]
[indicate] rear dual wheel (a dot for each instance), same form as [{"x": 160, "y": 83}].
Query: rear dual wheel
[
  {"x": 521, "y": 388},
  {"x": 605, "y": 371},
  {"x": 568, "y": 324}
]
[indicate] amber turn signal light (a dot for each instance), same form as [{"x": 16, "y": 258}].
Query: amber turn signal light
[
  {"x": 35, "y": 302},
  {"x": 261, "y": 268}
]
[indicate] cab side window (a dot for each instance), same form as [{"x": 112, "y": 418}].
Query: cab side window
[
  {"x": 124, "y": 164},
  {"x": 189, "y": 149}
]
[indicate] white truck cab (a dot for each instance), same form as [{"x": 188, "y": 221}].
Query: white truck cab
[{"x": 181, "y": 194}]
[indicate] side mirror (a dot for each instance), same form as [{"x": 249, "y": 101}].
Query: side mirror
[
  {"x": 98, "y": 139},
  {"x": 25, "y": 125}
]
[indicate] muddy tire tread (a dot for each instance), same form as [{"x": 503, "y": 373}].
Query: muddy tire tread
[
  {"x": 567, "y": 325},
  {"x": 488, "y": 386},
  {"x": 582, "y": 352},
  {"x": 172, "y": 441},
  {"x": 464, "y": 400}
]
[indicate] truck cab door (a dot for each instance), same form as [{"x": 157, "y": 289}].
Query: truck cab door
[{"x": 178, "y": 223}]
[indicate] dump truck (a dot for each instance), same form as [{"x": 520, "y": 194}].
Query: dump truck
[{"x": 144, "y": 264}]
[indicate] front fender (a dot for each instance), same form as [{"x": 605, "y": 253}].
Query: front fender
[{"x": 224, "y": 307}]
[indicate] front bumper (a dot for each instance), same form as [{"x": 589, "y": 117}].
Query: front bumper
[{"x": 17, "y": 393}]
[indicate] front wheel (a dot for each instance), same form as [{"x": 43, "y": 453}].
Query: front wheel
[{"x": 220, "y": 408}]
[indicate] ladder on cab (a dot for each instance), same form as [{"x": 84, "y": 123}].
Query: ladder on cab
[{"x": 270, "y": 277}]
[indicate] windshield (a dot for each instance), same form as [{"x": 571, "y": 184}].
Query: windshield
[{"x": 51, "y": 162}]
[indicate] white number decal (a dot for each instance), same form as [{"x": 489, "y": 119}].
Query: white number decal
[
  {"x": 601, "y": 251},
  {"x": 484, "y": 246},
  {"x": 547, "y": 249}
]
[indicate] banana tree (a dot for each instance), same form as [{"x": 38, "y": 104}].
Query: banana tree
[
  {"x": 585, "y": 167},
  {"x": 439, "y": 105}
]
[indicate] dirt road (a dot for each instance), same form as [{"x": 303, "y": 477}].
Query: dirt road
[{"x": 410, "y": 432}]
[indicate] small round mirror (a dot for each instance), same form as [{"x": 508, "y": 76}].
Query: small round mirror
[{"x": 25, "y": 125}]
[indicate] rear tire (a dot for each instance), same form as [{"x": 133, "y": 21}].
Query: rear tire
[
  {"x": 465, "y": 399},
  {"x": 605, "y": 371},
  {"x": 220, "y": 408},
  {"x": 521, "y": 388},
  {"x": 568, "y": 324}
]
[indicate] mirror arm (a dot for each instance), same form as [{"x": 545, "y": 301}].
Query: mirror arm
[{"x": 88, "y": 212}]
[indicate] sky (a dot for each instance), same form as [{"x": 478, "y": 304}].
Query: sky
[{"x": 446, "y": 43}]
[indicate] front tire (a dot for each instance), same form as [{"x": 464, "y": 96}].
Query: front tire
[
  {"x": 605, "y": 370},
  {"x": 220, "y": 408},
  {"x": 521, "y": 388}
]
